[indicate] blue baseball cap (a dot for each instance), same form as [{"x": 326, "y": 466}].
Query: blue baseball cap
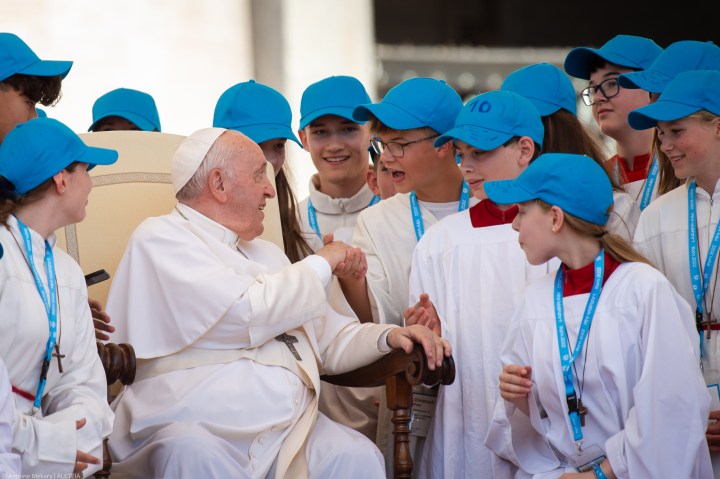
[
  {"x": 577, "y": 184},
  {"x": 17, "y": 58},
  {"x": 627, "y": 51},
  {"x": 336, "y": 95},
  {"x": 688, "y": 93},
  {"x": 135, "y": 106},
  {"x": 546, "y": 86},
  {"x": 257, "y": 111},
  {"x": 36, "y": 150},
  {"x": 491, "y": 119},
  {"x": 678, "y": 57},
  {"x": 41, "y": 113},
  {"x": 415, "y": 103}
]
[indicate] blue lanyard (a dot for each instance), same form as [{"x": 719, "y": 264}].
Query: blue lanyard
[
  {"x": 49, "y": 299},
  {"x": 417, "y": 215},
  {"x": 566, "y": 358},
  {"x": 649, "y": 184},
  {"x": 699, "y": 290},
  {"x": 312, "y": 215}
]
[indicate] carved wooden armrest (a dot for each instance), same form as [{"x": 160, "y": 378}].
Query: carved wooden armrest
[
  {"x": 399, "y": 372},
  {"x": 118, "y": 361}
]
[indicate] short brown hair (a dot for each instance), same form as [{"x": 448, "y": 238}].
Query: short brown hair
[{"x": 43, "y": 90}]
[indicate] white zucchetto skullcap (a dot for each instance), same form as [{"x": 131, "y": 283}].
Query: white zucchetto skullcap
[{"x": 191, "y": 153}]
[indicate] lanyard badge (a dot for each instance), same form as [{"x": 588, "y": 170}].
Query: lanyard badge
[{"x": 417, "y": 215}]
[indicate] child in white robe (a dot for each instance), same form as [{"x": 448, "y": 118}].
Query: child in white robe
[
  {"x": 497, "y": 134},
  {"x": 604, "y": 383},
  {"x": 60, "y": 412},
  {"x": 687, "y": 118}
]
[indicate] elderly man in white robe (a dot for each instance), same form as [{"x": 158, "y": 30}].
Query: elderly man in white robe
[{"x": 231, "y": 338}]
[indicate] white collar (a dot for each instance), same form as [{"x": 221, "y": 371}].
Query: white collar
[{"x": 213, "y": 228}]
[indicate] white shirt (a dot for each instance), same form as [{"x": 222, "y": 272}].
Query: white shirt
[{"x": 9, "y": 461}]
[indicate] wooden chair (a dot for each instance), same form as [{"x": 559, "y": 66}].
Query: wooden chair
[
  {"x": 399, "y": 372},
  {"x": 118, "y": 360}
]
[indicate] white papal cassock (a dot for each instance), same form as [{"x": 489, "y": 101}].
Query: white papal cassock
[
  {"x": 646, "y": 398},
  {"x": 475, "y": 277},
  {"x": 48, "y": 440},
  {"x": 217, "y": 395}
]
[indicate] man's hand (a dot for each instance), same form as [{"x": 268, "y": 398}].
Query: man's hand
[
  {"x": 82, "y": 459},
  {"x": 336, "y": 254},
  {"x": 354, "y": 266},
  {"x": 101, "y": 320},
  {"x": 436, "y": 348},
  {"x": 424, "y": 314}
]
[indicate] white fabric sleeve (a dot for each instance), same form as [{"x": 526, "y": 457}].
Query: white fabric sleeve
[{"x": 9, "y": 461}]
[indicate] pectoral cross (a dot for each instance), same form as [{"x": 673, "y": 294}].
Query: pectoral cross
[
  {"x": 289, "y": 342},
  {"x": 707, "y": 324},
  {"x": 582, "y": 412},
  {"x": 59, "y": 357}
]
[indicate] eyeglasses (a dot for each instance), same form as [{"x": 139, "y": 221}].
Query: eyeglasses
[
  {"x": 395, "y": 148},
  {"x": 609, "y": 88}
]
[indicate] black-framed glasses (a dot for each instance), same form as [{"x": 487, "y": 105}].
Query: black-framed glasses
[
  {"x": 395, "y": 148},
  {"x": 609, "y": 88}
]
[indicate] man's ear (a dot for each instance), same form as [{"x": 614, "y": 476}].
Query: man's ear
[
  {"x": 303, "y": 139},
  {"x": 446, "y": 150},
  {"x": 216, "y": 185}
]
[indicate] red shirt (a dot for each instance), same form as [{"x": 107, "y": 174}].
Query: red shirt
[
  {"x": 639, "y": 170},
  {"x": 486, "y": 213},
  {"x": 580, "y": 281}
]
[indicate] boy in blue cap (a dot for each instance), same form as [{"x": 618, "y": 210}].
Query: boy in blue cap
[
  {"x": 550, "y": 90},
  {"x": 598, "y": 353},
  {"x": 262, "y": 114},
  {"x": 497, "y": 135},
  {"x": 678, "y": 232},
  {"x": 683, "y": 55},
  {"x": 25, "y": 80},
  {"x": 60, "y": 405},
  {"x": 337, "y": 144},
  {"x": 428, "y": 184},
  {"x": 125, "y": 109},
  {"x": 611, "y": 103}
]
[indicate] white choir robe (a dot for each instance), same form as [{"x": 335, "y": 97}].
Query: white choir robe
[
  {"x": 646, "y": 399},
  {"x": 624, "y": 216},
  {"x": 662, "y": 236},
  {"x": 48, "y": 440},
  {"x": 334, "y": 215},
  {"x": 9, "y": 461},
  {"x": 183, "y": 286},
  {"x": 475, "y": 277}
]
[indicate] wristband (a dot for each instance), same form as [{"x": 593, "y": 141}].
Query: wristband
[{"x": 599, "y": 474}]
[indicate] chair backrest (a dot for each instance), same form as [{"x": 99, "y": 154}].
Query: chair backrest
[{"x": 136, "y": 187}]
